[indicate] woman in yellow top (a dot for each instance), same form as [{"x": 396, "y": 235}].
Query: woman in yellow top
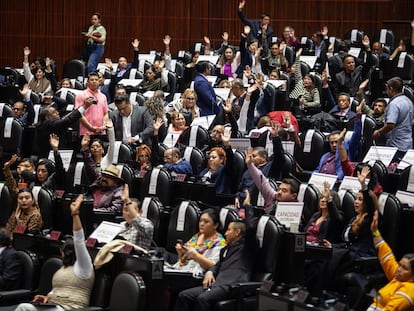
[{"x": 398, "y": 294}]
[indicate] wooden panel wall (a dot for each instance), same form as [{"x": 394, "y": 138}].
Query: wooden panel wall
[{"x": 53, "y": 27}]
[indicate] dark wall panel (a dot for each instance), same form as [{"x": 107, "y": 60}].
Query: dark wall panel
[{"x": 53, "y": 27}]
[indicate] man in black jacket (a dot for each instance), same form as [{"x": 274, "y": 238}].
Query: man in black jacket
[
  {"x": 51, "y": 123},
  {"x": 11, "y": 267}
]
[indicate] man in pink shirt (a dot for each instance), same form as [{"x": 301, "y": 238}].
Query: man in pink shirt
[{"x": 94, "y": 119}]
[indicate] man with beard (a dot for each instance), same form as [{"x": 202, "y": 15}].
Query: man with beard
[{"x": 107, "y": 186}]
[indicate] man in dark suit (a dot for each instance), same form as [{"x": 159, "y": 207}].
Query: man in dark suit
[
  {"x": 50, "y": 122},
  {"x": 123, "y": 70},
  {"x": 11, "y": 267},
  {"x": 206, "y": 97},
  {"x": 260, "y": 28},
  {"x": 133, "y": 124}
]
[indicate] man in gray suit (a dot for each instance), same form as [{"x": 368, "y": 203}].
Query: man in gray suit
[{"x": 133, "y": 124}]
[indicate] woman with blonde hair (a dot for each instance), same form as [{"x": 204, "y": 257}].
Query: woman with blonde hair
[{"x": 186, "y": 105}]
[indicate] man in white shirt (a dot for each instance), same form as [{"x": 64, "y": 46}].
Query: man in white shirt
[{"x": 133, "y": 124}]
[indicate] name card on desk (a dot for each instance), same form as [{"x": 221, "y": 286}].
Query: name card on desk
[
  {"x": 204, "y": 121},
  {"x": 405, "y": 197},
  {"x": 222, "y": 92},
  {"x": 55, "y": 235},
  {"x": 208, "y": 58},
  {"x": 106, "y": 231},
  {"x": 180, "y": 177},
  {"x": 277, "y": 83},
  {"x": 289, "y": 212},
  {"x": 131, "y": 82},
  {"x": 171, "y": 139},
  {"x": 407, "y": 160},
  {"x": 289, "y": 147},
  {"x": 383, "y": 154},
  {"x": 351, "y": 183},
  {"x": 91, "y": 242},
  {"x": 309, "y": 59},
  {"x": 255, "y": 133},
  {"x": 66, "y": 156},
  {"x": 20, "y": 228},
  {"x": 240, "y": 144},
  {"x": 127, "y": 249},
  {"x": 318, "y": 179}
]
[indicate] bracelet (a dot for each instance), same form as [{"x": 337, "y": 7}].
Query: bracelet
[
  {"x": 76, "y": 213},
  {"x": 376, "y": 233}
]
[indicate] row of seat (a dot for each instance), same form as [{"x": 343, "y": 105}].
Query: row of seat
[
  {"x": 125, "y": 292},
  {"x": 277, "y": 248}
]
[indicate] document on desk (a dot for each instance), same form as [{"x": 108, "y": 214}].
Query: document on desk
[{"x": 106, "y": 231}]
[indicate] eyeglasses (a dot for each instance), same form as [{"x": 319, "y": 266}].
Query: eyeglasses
[{"x": 18, "y": 109}]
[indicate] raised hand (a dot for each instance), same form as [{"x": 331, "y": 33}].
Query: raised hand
[
  {"x": 75, "y": 205},
  {"x": 366, "y": 41},
  {"x": 242, "y": 4},
  {"x": 247, "y": 199},
  {"x": 326, "y": 191},
  {"x": 363, "y": 174},
  {"x": 324, "y": 77},
  {"x": 248, "y": 156},
  {"x": 108, "y": 63},
  {"x": 125, "y": 193},
  {"x": 227, "y": 106},
  {"x": 166, "y": 40},
  {"x": 274, "y": 130},
  {"x": 85, "y": 142},
  {"x": 360, "y": 106},
  {"x": 324, "y": 30},
  {"x": 246, "y": 30},
  {"x": 135, "y": 44},
  {"x": 225, "y": 137},
  {"x": 25, "y": 91},
  {"x": 225, "y": 36},
  {"x": 26, "y": 51},
  {"x": 54, "y": 141},
  {"x": 12, "y": 160},
  {"x": 207, "y": 40},
  {"x": 341, "y": 136},
  {"x": 286, "y": 119},
  {"x": 252, "y": 87},
  {"x": 363, "y": 84}
]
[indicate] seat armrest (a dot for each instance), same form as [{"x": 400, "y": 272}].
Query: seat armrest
[
  {"x": 90, "y": 309},
  {"x": 366, "y": 265},
  {"x": 14, "y": 295},
  {"x": 245, "y": 289}
]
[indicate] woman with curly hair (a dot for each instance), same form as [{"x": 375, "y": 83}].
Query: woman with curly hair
[{"x": 155, "y": 108}]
